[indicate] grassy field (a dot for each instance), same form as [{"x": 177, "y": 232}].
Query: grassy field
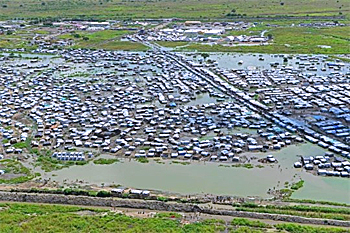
[
  {"x": 198, "y": 9},
  {"x": 107, "y": 39},
  {"x": 292, "y": 40},
  {"x": 19, "y": 39},
  {"x": 58, "y": 218},
  {"x": 172, "y": 44},
  {"x": 300, "y": 210}
]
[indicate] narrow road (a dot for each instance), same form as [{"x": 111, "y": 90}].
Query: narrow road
[{"x": 228, "y": 89}]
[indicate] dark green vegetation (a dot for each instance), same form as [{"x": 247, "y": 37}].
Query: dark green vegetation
[
  {"x": 246, "y": 165},
  {"x": 59, "y": 218},
  {"x": 289, "y": 188},
  {"x": 181, "y": 162},
  {"x": 189, "y": 9},
  {"x": 105, "y": 161},
  {"x": 299, "y": 210},
  {"x": 249, "y": 223},
  {"x": 297, "y": 185},
  {"x": 142, "y": 160},
  {"x": 67, "y": 191}
]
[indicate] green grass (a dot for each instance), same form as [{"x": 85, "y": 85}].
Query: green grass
[
  {"x": 20, "y": 145},
  {"x": 94, "y": 38},
  {"x": 295, "y": 228},
  {"x": 163, "y": 199},
  {"x": 316, "y": 202},
  {"x": 41, "y": 32},
  {"x": 191, "y": 9},
  {"x": 15, "y": 167},
  {"x": 105, "y": 39},
  {"x": 168, "y": 215},
  {"x": 105, "y": 161},
  {"x": 142, "y": 160},
  {"x": 172, "y": 44},
  {"x": 249, "y": 223},
  {"x": 47, "y": 163},
  {"x": 28, "y": 218},
  {"x": 53, "y": 218},
  {"x": 245, "y": 165},
  {"x": 5, "y": 140},
  {"x": 19, "y": 39},
  {"x": 300, "y": 210},
  {"x": 180, "y": 162},
  {"x": 297, "y": 185}
]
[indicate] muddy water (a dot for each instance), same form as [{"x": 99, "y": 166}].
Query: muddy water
[
  {"x": 209, "y": 177},
  {"x": 252, "y": 62}
]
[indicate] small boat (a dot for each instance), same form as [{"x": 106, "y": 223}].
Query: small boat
[{"x": 240, "y": 62}]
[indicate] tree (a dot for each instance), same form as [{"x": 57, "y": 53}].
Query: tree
[
  {"x": 205, "y": 55},
  {"x": 103, "y": 194}
]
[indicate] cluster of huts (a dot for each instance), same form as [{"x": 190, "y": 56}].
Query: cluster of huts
[
  {"x": 325, "y": 165},
  {"x": 133, "y": 104},
  {"x": 321, "y": 95},
  {"x": 147, "y": 105}
]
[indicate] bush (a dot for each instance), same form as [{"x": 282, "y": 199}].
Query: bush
[
  {"x": 164, "y": 199},
  {"x": 297, "y": 185},
  {"x": 142, "y": 160},
  {"x": 103, "y": 193},
  {"x": 250, "y": 205},
  {"x": 105, "y": 161},
  {"x": 249, "y": 223}
]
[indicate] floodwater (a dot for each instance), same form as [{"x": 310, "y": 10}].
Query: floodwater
[
  {"x": 209, "y": 177},
  {"x": 252, "y": 62}
]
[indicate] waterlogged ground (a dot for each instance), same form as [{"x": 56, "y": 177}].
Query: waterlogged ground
[
  {"x": 254, "y": 62},
  {"x": 210, "y": 177}
]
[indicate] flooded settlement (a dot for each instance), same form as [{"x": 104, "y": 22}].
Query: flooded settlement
[{"x": 246, "y": 125}]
